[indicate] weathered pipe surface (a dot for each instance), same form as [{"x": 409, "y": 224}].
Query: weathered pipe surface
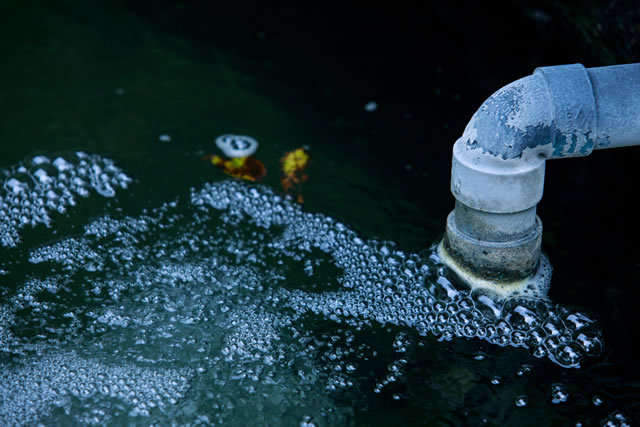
[
  {"x": 564, "y": 111},
  {"x": 497, "y": 173}
]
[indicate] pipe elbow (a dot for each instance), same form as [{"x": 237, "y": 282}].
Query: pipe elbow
[
  {"x": 554, "y": 112},
  {"x": 517, "y": 117},
  {"x": 498, "y": 162},
  {"x": 493, "y": 235}
]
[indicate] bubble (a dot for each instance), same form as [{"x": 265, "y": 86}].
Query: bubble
[
  {"x": 590, "y": 343},
  {"x": 518, "y": 314},
  {"x": 553, "y": 325},
  {"x": 521, "y": 401},
  {"x": 518, "y": 338},
  {"x": 559, "y": 393},
  {"x": 480, "y": 355},
  {"x": 569, "y": 355},
  {"x": 540, "y": 351},
  {"x": 487, "y": 307},
  {"x": 443, "y": 289},
  {"x": 307, "y": 421},
  {"x": 552, "y": 343},
  {"x": 616, "y": 419},
  {"x": 578, "y": 321},
  {"x": 370, "y": 106},
  {"x": 524, "y": 369},
  {"x": 535, "y": 337}
]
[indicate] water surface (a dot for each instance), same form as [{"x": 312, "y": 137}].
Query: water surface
[{"x": 176, "y": 294}]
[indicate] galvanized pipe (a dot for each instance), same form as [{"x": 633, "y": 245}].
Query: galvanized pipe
[{"x": 497, "y": 175}]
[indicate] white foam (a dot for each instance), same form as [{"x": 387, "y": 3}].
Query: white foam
[
  {"x": 33, "y": 190},
  {"x": 219, "y": 288},
  {"x": 60, "y": 379}
]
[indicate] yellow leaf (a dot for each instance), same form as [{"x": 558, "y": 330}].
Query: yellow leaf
[
  {"x": 294, "y": 161},
  {"x": 293, "y": 165}
]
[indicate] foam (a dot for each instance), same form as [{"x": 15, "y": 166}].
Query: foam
[
  {"x": 31, "y": 191},
  {"x": 219, "y": 290},
  {"x": 404, "y": 289},
  {"x": 59, "y": 379},
  {"x": 536, "y": 286},
  {"x": 71, "y": 252}
]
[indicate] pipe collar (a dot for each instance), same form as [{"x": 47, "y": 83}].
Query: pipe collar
[{"x": 491, "y": 183}]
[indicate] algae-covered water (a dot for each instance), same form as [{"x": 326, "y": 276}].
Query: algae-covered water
[{"x": 141, "y": 285}]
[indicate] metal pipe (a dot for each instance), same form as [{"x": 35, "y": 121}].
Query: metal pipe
[{"x": 493, "y": 235}]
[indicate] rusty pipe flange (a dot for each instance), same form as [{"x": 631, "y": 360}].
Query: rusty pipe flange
[{"x": 504, "y": 268}]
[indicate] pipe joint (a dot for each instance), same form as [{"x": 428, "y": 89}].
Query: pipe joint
[
  {"x": 497, "y": 174},
  {"x": 491, "y": 183},
  {"x": 573, "y": 109}
]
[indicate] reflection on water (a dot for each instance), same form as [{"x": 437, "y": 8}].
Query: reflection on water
[{"x": 238, "y": 306}]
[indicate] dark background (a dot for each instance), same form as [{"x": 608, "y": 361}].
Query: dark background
[{"x": 429, "y": 66}]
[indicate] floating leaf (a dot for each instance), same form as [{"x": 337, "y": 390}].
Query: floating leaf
[
  {"x": 248, "y": 168},
  {"x": 293, "y": 165}
]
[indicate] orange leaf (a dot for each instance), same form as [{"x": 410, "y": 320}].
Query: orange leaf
[
  {"x": 248, "y": 168},
  {"x": 217, "y": 161},
  {"x": 286, "y": 184}
]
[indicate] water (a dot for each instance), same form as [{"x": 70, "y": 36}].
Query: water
[{"x": 153, "y": 289}]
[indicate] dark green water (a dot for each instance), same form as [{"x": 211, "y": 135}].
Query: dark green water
[{"x": 110, "y": 79}]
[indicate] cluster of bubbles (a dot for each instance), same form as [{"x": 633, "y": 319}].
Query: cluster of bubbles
[
  {"x": 217, "y": 306},
  {"x": 63, "y": 379},
  {"x": 34, "y": 189},
  {"x": 74, "y": 252},
  {"x": 6, "y": 320},
  {"x": 386, "y": 285}
]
